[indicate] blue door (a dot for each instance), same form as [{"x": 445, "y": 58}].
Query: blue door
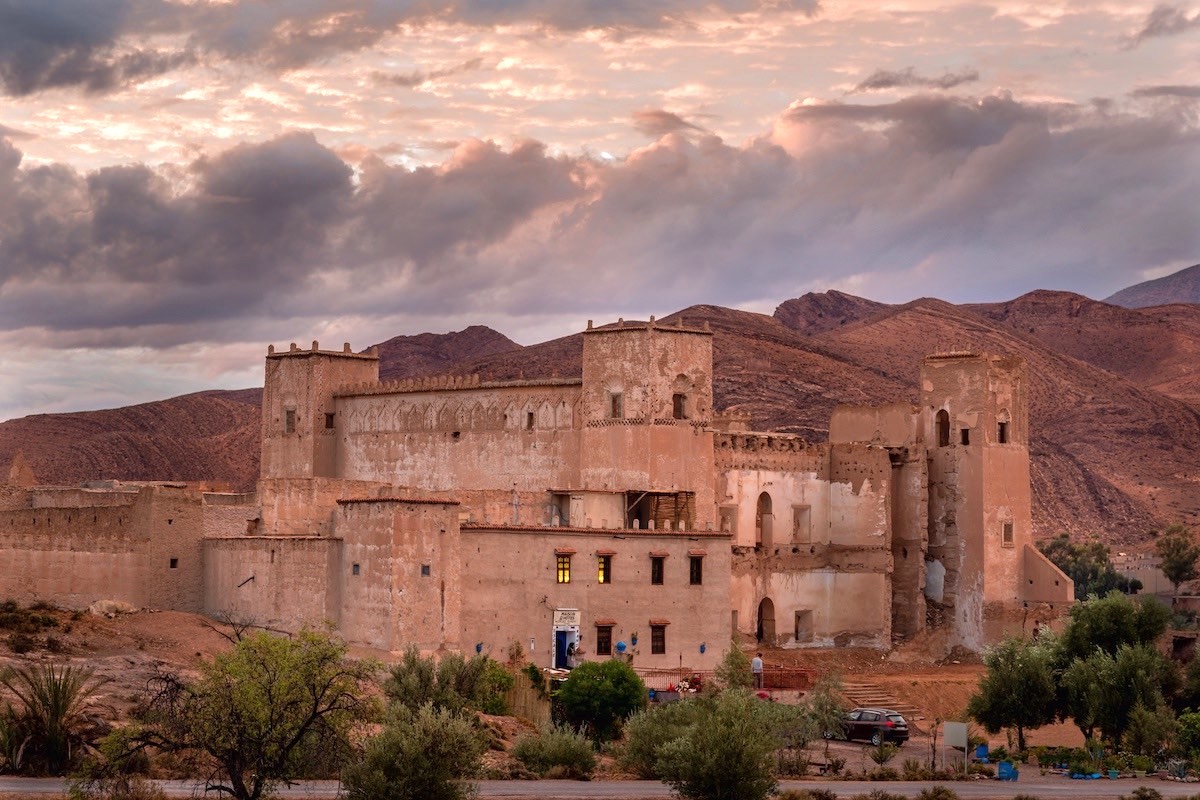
[{"x": 560, "y": 650}]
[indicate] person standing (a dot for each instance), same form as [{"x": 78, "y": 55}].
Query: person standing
[{"x": 756, "y": 666}]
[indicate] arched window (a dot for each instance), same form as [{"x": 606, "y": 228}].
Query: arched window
[{"x": 943, "y": 428}]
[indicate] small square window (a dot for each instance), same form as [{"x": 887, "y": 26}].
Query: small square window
[
  {"x": 354, "y": 570},
  {"x": 328, "y": 420},
  {"x": 174, "y": 563},
  {"x": 656, "y": 570},
  {"x": 658, "y": 640},
  {"x": 604, "y": 569},
  {"x": 965, "y": 436},
  {"x": 426, "y": 571},
  {"x": 604, "y": 640},
  {"x": 563, "y": 569},
  {"x": 696, "y": 570}
]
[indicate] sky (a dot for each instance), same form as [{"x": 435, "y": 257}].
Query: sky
[{"x": 183, "y": 182}]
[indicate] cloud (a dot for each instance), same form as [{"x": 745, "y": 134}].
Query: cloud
[
  {"x": 962, "y": 198},
  {"x": 1167, "y": 91},
  {"x": 1165, "y": 20},
  {"x": 14, "y": 134},
  {"x": 411, "y": 80},
  {"x": 77, "y": 43},
  {"x": 656, "y": 122},
  {"x": 102, "y": 45},
  {"x": 882, "y": 79}
]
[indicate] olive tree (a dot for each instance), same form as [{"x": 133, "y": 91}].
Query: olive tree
[{"x": 1018, "y": 691}]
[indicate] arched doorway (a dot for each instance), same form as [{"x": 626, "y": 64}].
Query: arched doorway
[
  {"x": 762, "y": 521},
  {"x": 943, "y": 428},
  {"x": 766, "y": 622}
]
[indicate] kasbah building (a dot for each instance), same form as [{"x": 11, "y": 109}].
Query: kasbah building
[{"x": 616, "y": 511}]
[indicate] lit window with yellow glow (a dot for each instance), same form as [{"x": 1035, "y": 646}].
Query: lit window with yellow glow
[
  {"x": 564, "y": 569},
  {"x": 604, "y": 569}
]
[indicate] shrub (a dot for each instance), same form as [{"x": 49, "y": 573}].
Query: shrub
[
  {"x": 726, "y": 756},
  {"x": 878, "y": 794},
  {"x": 557, "y": 752},
  {"x": 734, "y": 670},
  {"x": 791, "y": 762},
  {"x": 21, "y": 643},
  {"x": 806, "y": 794},
  {"x": 454, "y": 683},
  {"x": 425, "y": 754},
  {"x": 51, "y": 700},
  {"x": 937, "y": 792},
  {"x": 599, "y": 696},
  {"x": 914, "y": 770},
  {"x": 116, "y": 771},
  {"x": 883, "y": 752},
  {"x": 1144, "y": 793},
  {"x": 647, "y": 731},
  {"x": 835, "y": 765}
]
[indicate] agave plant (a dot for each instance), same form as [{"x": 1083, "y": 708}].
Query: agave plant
[{"x": 49, "y": 712}]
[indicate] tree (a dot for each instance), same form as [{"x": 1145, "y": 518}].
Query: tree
[
  {"x": 734, "y": 670},
  {"x": 46, "y": 727},
  {"x": 270, "y": 710},
  {"x": 1018, "y": 690},
  {"x": 1108, "y": 622},
  {"x": 727, "y": 755},
  {"x": 1103, "y": 690},
  {"x": 1089, "y": 566},
  {"x": 649, "y": 730},
  {"x": 826, "y": 708},
  {"x": 600, "y": 695},
  {"x": 428, "y": 754},
  {"x": 1179, "y": 551},
  {"x": 1148, "y": 731}
]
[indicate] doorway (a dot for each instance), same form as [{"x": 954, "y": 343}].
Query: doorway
[{"x": 766, "y": 622}]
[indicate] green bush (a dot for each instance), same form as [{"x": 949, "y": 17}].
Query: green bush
[
  {"x": 878, "y": 794},
  {"x": 647, "y": 731},
  {"x": 454, "y": 683},
  {"x": 558, "y": 752},
  {"x": 429, "y": 754},
  {"x": 599, "y": 696},
  {"x": 727, "y": 755},
  {"x": 49, "y": 714},
  {"x": 806, "y": 794}
]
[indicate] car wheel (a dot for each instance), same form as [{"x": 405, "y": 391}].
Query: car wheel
[{"x": 877, "y": 738}]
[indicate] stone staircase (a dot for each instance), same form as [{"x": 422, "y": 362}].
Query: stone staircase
[{"x": 868, "y": 694}]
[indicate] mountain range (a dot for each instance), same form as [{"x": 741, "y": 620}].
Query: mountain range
[{"x": 1115, "y": 396}]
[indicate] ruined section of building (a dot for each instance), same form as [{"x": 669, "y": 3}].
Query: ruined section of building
[{"x": 610, "y": 514}]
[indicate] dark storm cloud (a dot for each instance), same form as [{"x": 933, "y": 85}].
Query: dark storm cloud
[
  {"x": 1167, "y": 91},
  {"x": 1165, "y": 20},
  {"x": 258, "y": 225},
  {"x": 930, "y": 195},
  {"x": 101, "y": 45},
  {"x": 882, "y": 79},
  {"x": 57, "y": 43},
  {"x": 656, "y": 122}
]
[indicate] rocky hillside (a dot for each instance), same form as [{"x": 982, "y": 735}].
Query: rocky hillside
[
  {"x": 1114, "y": 414},
  {"x": 1178, "y": 287}
]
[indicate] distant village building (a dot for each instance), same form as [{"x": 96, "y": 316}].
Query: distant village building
[{"x": 616, "y": 512}]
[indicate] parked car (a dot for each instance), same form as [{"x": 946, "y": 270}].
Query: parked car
[{"x": 875, "y": 725}]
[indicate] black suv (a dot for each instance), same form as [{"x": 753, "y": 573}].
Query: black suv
[{"x": 876, "y": 725}]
